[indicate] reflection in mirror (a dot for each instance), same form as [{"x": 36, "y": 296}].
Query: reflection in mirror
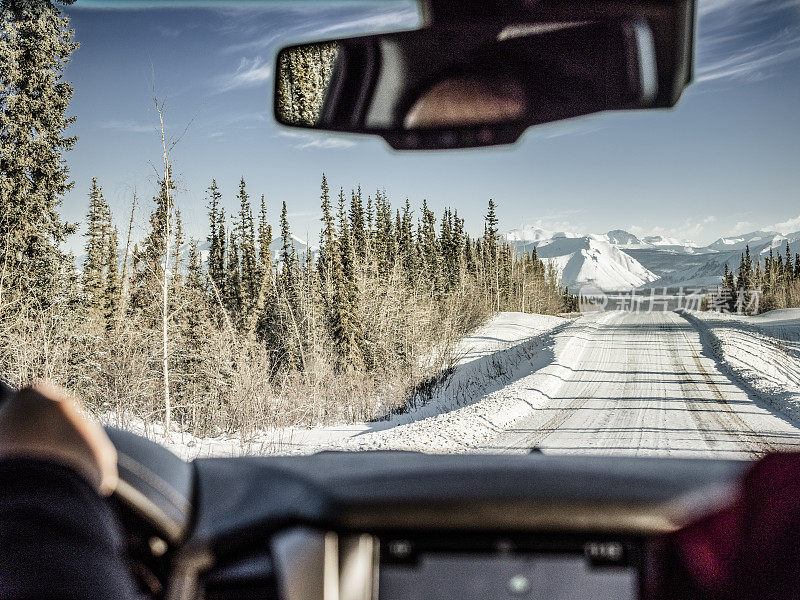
[
  {"x": 304, "y": 74},
  {"x": 468, "y": 100}
]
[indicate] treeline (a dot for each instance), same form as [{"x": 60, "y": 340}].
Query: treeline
[
  {"x": 364, "y": 327},
  {"x": 754, "y": 288}
]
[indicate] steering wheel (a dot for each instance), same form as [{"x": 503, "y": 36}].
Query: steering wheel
[{"x": 154, "y": 484}]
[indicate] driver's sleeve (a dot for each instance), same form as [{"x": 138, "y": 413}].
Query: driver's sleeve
[{"x": 59, "y": 539}]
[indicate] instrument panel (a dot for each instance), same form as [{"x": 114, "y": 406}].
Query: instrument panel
[
  {"x": 508, "y": 568},
  {"x": 392, "y": 566}
]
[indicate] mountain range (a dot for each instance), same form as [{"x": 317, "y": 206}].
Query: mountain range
[{"x": 619, "y": 260}]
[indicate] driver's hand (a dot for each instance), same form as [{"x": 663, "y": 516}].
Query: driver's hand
[{"x": 44, "y": 422}]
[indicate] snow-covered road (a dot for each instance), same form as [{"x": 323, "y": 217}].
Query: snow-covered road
[{"x": 640, "y": 383}]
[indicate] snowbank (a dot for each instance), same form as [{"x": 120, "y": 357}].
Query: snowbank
[
  {"x": 762, "y": 352},
  {"x": 525, "y": 377}
]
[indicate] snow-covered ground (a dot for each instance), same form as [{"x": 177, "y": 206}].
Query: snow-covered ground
[
  {"x": 488, "y": 358},
  {"x": 660, "y": 383},
  {"x": 762, "y": 352}
]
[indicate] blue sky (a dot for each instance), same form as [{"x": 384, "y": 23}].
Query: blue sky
[{"x": 724, "y": 161}]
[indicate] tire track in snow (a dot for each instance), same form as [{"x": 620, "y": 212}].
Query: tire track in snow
[
  {"x": 695, "y": 410},
  {"x": 727, "y": 418},
  {"x": 739, "y": 425}
]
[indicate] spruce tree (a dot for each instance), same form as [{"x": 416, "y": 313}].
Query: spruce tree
[
  {"x": 177, "y": 252},
  {"x": 113, "y": 289},
  {"x": 149, "y": 276},
  {"x": 195, "y": 321},
  {"x": 288, "y": 259},
  {"x": 491, "y": 252},
  {"x": 405, "y": 244},
  {"x": 369, "y": 226},
  {"x": 325, "y": 260},
  {"x": 264, "y": 253},
  {"x": 458, "y": 238},
  {"x": 97, "y": 220},
  {"x": 759, "y": 276},
  {"x": 270, "y": 327},
  {"x": 345, "y": 329},
  {"x": 264, "y": 237},
  {"x": 216, "y": 238},
  {"x": 233, "y": 280},
  {"x": 357, "y": 225},
  {"x": 36, "y": 43},
  {"x": 271, "y": 323},
  {"x": 223, "y": 256},
  {"x": 249, "y": 266},
  {"x": 384, "y": 237},
  {"x": 469, "y": 257},
  {"x": 448, "y": 252},
  {"x": 429, "y": 251},
  {"x": 194, "y": 273},
  {"x": 289, "y": 297}
]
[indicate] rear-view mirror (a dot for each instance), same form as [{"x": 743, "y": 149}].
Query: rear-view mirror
[{"x": 477, "y": 83}]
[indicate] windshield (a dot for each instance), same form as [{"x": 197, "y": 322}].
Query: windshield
[{"x": 621, "y": 283}]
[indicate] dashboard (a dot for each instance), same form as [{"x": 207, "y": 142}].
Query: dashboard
[
  {"x": 408, "y": 526},
  {"x": 304, "y": 563}
]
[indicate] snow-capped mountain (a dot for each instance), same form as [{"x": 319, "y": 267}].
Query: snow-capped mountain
[
  {"x": 590, "y": 260},
  {"x": 533, "y": 233},
  {"x": 621, "y": 238},
  {"x": 660, "y": 240},
  {"x": 739, "y": 242},
  {"x": 709, "y": 271},
  {"x": 613, "y": 261},
  {"x": 619, "y": 260},
  {"x": 625, "y": 239}
]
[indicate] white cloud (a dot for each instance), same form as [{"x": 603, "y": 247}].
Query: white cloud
[
  {"x": 742, "y": 227},
  {"x": 787, "y": 226},
  {"x": 128, "y": 126},
  {"x": 168, "y": 32},
  {"x": 688, "y": 232},
  {"x": 323, "y": 141},
  {"x": 327, "y": 143},
  {"x": 247, "y": 120},
  {"x": 708, "y": 7},
  {"x": 559, "y": 129},
  {"x": 391, "y": 18},
  {"x": 754, "y": 62},
  {"x": 746, "y": 39},
  {"x": 248, "y": 74},
  {"x": 314, "y": 21}
]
